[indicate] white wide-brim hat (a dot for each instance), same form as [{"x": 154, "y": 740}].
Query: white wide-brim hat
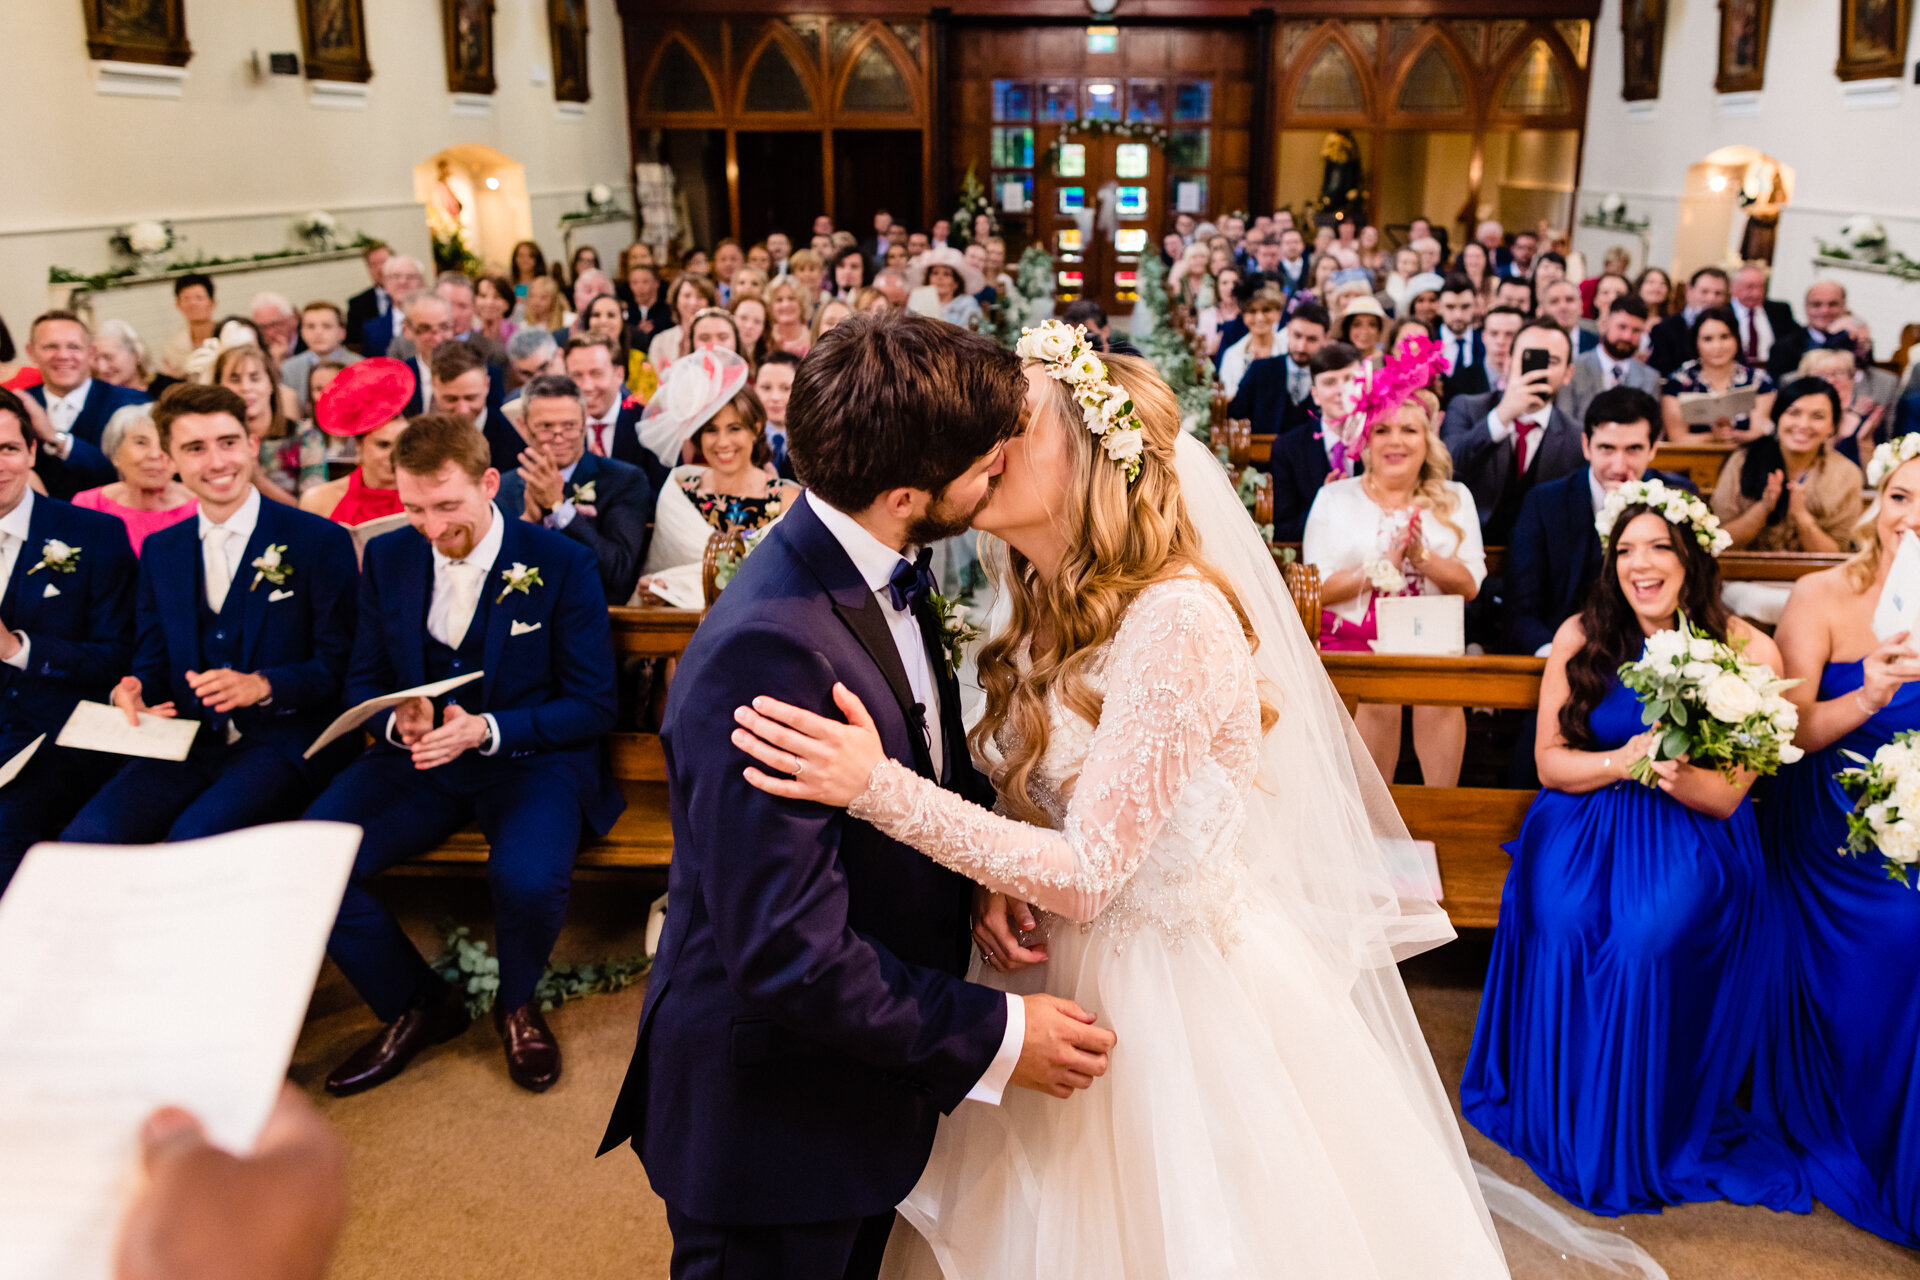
[
  {"x": 971, "y": 278},
  {"x": 696, "y": 387}
]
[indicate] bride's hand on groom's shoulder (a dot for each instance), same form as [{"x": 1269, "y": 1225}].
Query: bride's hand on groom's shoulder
[
  {"x": 828, "y": 762},
  {"x": 998, "y": 923}
]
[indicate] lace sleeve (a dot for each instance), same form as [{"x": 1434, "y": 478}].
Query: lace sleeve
[{"x": 1173, "y": 678}]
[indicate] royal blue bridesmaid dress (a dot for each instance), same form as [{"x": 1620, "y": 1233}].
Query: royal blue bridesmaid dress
[
  {"x": 1839, "y": 1071},
  {"x": 1627, "y": 986}
]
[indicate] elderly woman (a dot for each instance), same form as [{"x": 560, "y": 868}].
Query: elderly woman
[
  {"x": 120, "y": 358},
  {"x": 944, "y": 283},
  {"x": 146, "y": 497},
  {"x": 1860, "y": 417},
  {"x": 1789, "y": 491}
]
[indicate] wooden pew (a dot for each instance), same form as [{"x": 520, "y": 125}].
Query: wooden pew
[
  {"x": 1700, "y": 462},
  {"x": 1735, "y": 566}
]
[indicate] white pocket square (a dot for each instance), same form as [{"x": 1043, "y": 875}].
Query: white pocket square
[
  {"x": 50, "y": 592},
  {"x": 278, "y": 595},
  {"x": 521, "y": 628}
]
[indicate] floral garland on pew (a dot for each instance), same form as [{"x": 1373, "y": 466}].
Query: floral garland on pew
[
  {"x": 1133, "y": 130},
  {"x": 466, "y": 964}
]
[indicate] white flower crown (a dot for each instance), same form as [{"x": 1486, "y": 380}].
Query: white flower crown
[
  {"x": 1069, "y": 357},
  {"x": 1676, "y": 506},
  {"x": 1888, "y": 456}
]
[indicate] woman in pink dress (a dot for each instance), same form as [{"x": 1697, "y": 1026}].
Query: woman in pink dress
[{"x": 146, "y": 497}]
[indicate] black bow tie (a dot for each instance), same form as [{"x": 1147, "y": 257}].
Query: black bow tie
[{"x": 912, "y": 581}]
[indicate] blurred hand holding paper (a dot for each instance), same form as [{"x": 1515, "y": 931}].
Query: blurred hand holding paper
[
  {"x": 1899, "y": 607},
  {"x": 352, "y": 718},
  {"x": 95, "y": 726},
  {"x": 134, "y": 978}
]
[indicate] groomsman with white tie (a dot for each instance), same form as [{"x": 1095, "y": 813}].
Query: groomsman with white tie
[
  {"x": 244, "y": 620},
  {"x": 520, "y": 751}
]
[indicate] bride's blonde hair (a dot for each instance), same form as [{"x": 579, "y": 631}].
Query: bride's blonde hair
[{"x": 1121, "y": 538}]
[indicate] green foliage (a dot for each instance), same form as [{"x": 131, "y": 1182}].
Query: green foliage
[
  {"x": 100, "y": 280},
  {"x": 1030, "y": 302},
  {"x": 452, "y": 254},
  {"x": 1710, "y": 706},
  {"x": 974, "y": 201},
  {"x": 466, "y": 964},
  {"x": 1189, "y": 377}
]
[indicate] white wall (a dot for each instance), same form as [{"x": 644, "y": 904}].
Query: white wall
[
  {"x": 234, "y": 159},
  {"x": 1845, "y": 161}
]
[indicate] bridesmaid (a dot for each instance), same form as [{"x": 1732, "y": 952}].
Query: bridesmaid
[
  {"x": 1627, "y": 983},
  {"x": 1841, "y": 1073}
]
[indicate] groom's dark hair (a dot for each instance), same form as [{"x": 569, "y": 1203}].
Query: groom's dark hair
[{"x": 898, "y": 401}]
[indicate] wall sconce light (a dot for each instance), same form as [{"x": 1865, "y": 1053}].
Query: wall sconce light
[{"x": 1717, "y": 182}]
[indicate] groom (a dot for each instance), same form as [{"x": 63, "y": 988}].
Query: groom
[{"x": 806, "y": 1021}]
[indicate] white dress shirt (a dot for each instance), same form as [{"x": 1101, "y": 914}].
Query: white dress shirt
[
  {"x": 875, "y": 561},
  {"x": 1500, "y": 430},
  {"x": 64, "y": 411},
  {"x": 13, "y": 547},
  {"x": 446, "y": 592},
  {"x": 600, "y": 430},
  {"x": 562, "y": 516},
  {"x": 1459, "y": 349}
]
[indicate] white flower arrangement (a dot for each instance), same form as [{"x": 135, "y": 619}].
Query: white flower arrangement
[
  {"x": 1612, "y": 205},
  {"x": 146, "y": 239},
  {"x": 1384, "y": 576},
  {"x": 1864, "y": 233},
  {"x": 599, "y": 196},
  {"x": 1886, "y": 811},
  {"x": 1676, "y": 506},
  {"x": 1711, "y": 705},
  {"x": 1888, "y": 456},
  {"x": 318, "y": 228},
  {"x": 1108, "y": 411},
  {"x": 57, "y": 556}
]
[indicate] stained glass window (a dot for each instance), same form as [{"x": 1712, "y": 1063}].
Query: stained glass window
[{"x": 1013, "y": 100}]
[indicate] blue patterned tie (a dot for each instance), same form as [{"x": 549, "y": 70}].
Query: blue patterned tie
[{"x": 912, "y": 581}]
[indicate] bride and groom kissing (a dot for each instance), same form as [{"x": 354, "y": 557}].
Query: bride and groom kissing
[{"x": 1215, "y": 1071}]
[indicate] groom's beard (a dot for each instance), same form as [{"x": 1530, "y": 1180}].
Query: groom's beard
[{"x": 941, "y": 520}]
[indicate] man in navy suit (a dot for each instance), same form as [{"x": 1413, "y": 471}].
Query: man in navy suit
[
  {"x": 1461, "y": 340},
  {"x": 464, "y": 386},
  {"x": 77, "y": 404},
  {"x": 603, "y": 504},
  {"x": 1672, "y": 338},
  {"x": 613, "y": 422},
  {"x": 66, "y": 631},
  {"x": 1276, "y": 392},
  {"x": 520, "y": 750},
  {"x": 1302, "y": 461},
  {"x": 401, "y": 277},
  {"x": 372, "y": 301},
  {"x": 1553, "y": 555},
  {"x": 806, "y": 1021},
  {"x": 244, "y": 622}
]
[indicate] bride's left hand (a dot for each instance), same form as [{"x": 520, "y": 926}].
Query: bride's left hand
[{"x": 830, "y": 762}]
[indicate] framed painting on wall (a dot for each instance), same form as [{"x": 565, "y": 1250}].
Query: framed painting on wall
[
  {"x": 154, "y": 31},
  {"x": 1743, "y": 45},
  {"x": 1643, "y": 26},
  {"x": 567, "y": 26},
  {"x": 469, "y": 26},
  {"x": 1873, "y": 39},
  {"x": 333, "y": 36}
]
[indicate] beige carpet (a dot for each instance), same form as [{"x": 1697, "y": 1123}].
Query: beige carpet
[{"x": 457, "y": 1174}]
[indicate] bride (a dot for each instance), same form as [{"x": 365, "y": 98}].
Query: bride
[{"x": 1185, "y": 801}]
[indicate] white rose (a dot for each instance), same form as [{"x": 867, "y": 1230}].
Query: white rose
[
  {"x": 1906, "y": 794},
  {"x": 1612, "y": 203},
  {"x": 1699, "y": 671},
  {"x": 147, "y": 237},
  {"x": 1790, "y": 754},
  {"x": 1054, "y": 342},
  {"x": 1877, "y": 816},
  {"x": 57, "y": 550},
  {"x": 1702, "y": 648},
  {"x": 1087, "y": 367},
  {"x": 1665, "y": 645},
  {"x": 270, "y": 558},
  {"x": 1730, "y": 699},
  {"x": 1893, "y": 757},
  {"x": 1901, "y": 842},
  {"x": 601, "y": 193},
  {"x": 1123, "y": 446}
]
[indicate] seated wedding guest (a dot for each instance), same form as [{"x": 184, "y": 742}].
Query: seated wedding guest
[
  {"x": 892, "y": 284},
  {"x": 1224, "y": 311},
  {"x": 590, "y": 284},
  {"x": 1553, "y": 553},
  {"x": 1716, "y": 370},
  {"x": 120, "y": 359},
  {"x": 951, "y": 281},
  {"x": 1503, "y": 443},
  {"x": 612, "y": 419},
  {"x": 1475, "y": 263},
  {"x": 401, "y": 277},
  {"x": 462, "y": 387},
  {"x": 788, "y": 307},
  {"x": 1431, "y": 252},
  {"x": 715, "y": 327},
  {"x": 278, "y": 323},
  {"x": 586, "y": 258},
  {"x": 1612, "y": 363},
  {"x": 244, "y": 622},
  {"x": 193, "y": 298},
  {"x": 1261, "y": 312},
  {"x": 531, "y": 351},
  {"x": 1461, "y": 341},
  {"x": 1305, "y": 462},
  {"x": 1560, "y": 303},
  {"x": 1275, "y": 394},
  {"x": 60, "y": 345},
  {"x": 66, "y": 634},
  {"x": 1548, "y": 269},
  {"x": 831, "y": 312},
  {"x": 1655, "y": 288},
  {"x": 1843, "y": 1009},
  {"x": 324, "y": 335},
  {"x": 691, "y": 294},
  {"x": 1422, "y": 300},
  {"x": 371, "y": 301},
  {"x": 493, "y": 304},
  {"x": 849, "y": 272},
  {"x": 808, "y": 270},
  {"x": 520, "y": 752},
  {"x": 605, "y": 316},
  {"x": 1403, "y": 528},
  {"x": 1789, "y": 491},
  {"x": 731, "y": 485},
  {"x": 1633, "y": 950},
  {"x": 1864, "y": 395},
  {"x": 545, "y": 307},
  {"x": 779, "y": 249},
  {"x": 1406, "y": 265},
  {"x": 366, "y": 404},
  {"x": 1404, "y": 336},
  {"x": 291, "y": 457},
  {"x": 146, "y": 498},
  {"x": 1830, "y": 326},
  {"x": 773, "y": 383},
  {"x": 1673, "y": 339},
  {"x": 750, "y": 320},
  {"x": 728, "y": 258},
  {"x": 696, "y": 262},
  {"x": 1361, "y": 326},
  {"x": 650, "y": 315},
  {"x": 428, "y": 322},
  {"x": 748, "y": 282},
  {"x": 1614, "y": 265},
  {"x": 1516, "y": 293},
  {"x": 1599, "y": 299},
  {"x": 1499, "y": 327},
  {"x": 603, "y": 504}
]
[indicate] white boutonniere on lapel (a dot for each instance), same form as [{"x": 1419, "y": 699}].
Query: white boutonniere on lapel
[
  {"x": 583, "y": 495},
  {"x": 956, "y": 633},
  {"x": 57, "y": 556},
  {"x": 521, "y": 578},
  {"x": 269, "y": 567}
]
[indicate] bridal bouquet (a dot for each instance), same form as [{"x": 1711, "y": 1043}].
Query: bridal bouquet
[
  {"x": 1886, "y": 810},
  {"x": 1714, "y": 707}
]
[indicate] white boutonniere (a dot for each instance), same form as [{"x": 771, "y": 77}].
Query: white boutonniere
[
  {"x": 57, "y": 556},
  {"x": 521, "y": 578},
  {"x": 956, "y": 633},
  {"x": 269, "y": 567},
  {"x": 583, "y": 495}
]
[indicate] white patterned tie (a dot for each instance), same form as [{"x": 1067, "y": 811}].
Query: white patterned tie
[
  {"x": 463, "y": 597},
  {"x": 213, "y": 560}
]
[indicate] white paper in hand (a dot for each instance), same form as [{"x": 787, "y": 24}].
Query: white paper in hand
[
  {"x": 1899, "y": 607},
  {"x": 11, "y": 769},
  {"x": 351, "y": 719},
  {"x": 95, "y": 726},
  {"x": 136, "y": 978}
]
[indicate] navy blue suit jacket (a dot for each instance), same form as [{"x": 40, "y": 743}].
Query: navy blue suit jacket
[
  {"x": 297, "y": 634},
  {"x": 1300, "y": 468},
  {"x": 84, "y": 467},
  {"x": 1262, "y": 397},
  {"x": 617, "y": 532},
  {"x": 628, "y": 449},
  {"x": 81, "y": 636},
  {"x": 548, "y": 654},
  {"x": 806, "y": 1023},
  {"x": 1554, "y": 556},
  {"x": 376, "y": 335},
  {"x": 102, "y": 402}
]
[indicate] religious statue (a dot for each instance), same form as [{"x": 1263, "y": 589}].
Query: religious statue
[{"x": 1342, "y": 191}]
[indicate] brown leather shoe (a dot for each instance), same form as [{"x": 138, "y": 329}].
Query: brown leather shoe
[
  {"x": 434, "y": 1020},
  {"x": 533, "y": 1055}
]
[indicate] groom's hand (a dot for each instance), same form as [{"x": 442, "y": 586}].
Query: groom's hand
[{"x": 1063, "y": 1051}]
